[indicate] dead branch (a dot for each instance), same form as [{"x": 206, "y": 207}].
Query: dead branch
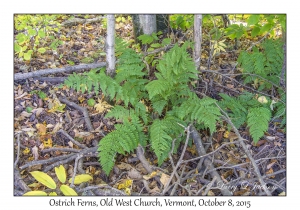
[
  {"x": 51, "y": 79},
  {"x": 18, "y": 181},
  {"x": 61, "y": 149},
  {"x": 256, "y": 169},
  {"x": 75, "y": 169},
  {"x": 207, "y": 162},
  {"x": 145, "y": 163},
  {"x": 71, "y": 139},
  {"x": 20, "y": 76},
  {"x": 76, "y": 21},
  {"x": 179, "y": 161},
  {"x": 80, "y": 108},
  {"x": 18, "y": 151}
]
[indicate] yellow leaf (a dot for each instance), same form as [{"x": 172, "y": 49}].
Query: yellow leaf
[
  {"x": 37, "y": 193},
  {"x": 102, "y": 106},
  {"x": 262, "y": 99},
  {"x": 26, "y": 151},
  {"x": 44, "y": 178},
  {"x": 226, "y": 134},
  {"x": 81, "y": 178},
  {"x": 125, "y": 184},
  {"x": 66, "y": 190},
  {"x": 61, "y": 173},
  {"x": 52, "y": 194},
  {"x": 48, "y": 143},
  {"x": 128, "y": 191}
]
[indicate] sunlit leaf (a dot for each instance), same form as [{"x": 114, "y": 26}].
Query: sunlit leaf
[
  {"x": 66, "y": 190},
  {"x": 52, "y": 194},
  {"x": 44, "y": 178},
  {"x": 35, "y": 193},
  {"x": 61, "y": 173},
  {"x": 81, "y": 178}
]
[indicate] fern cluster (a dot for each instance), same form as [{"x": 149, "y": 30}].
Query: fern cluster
[
  {"x": 266, "y": 63},
  {"x": 246, "y": 109},
  {"x": 149, "y": 111}
]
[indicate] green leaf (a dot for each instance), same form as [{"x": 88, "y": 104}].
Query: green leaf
[
  {"x": 91, "y": 102},
  {"x": 68, "y": 191},
  {"x": 41, "y": 50},
  {"x": 265, "y": 28},
  {"x": 81, "y": 178},
  {"x": 17, "y": 47},
  {"x": 44, "y": 179},
  {"x": 61, "y": 173},
  {"x": 255, "y": 31},
  {"x": 27, "y": 56},
  {"x": 32, "y": 32},
  {"x": 52, "y": 194},
  {"x": 166, "y": 41},
  {"x": 253, "y": 19},
  {"x": 41, "y": 33},
  {"x": 35, "y": 193},
  {"x": 155, "y": 45}
]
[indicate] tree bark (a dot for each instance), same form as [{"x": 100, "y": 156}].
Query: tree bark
[
  {"x": 197, "y": 39},
  {"x": 110, "y": 46}
]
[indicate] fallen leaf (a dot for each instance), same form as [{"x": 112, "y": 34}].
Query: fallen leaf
[
  {"x": 154, "y": 191},
  {"x": 102, "y": 106},
  {"x": 41, "y": 129},
  {"x": 26, "y": 151},
  {"x": 35, "y": 152},
  {"x": 270, "y": 171},
  {"x": 282, "y": 193},
  {"x": 125, "y": 166},
  {"x": 57, "y": 127},
  {"x": 270, "y": 165},
  {"x": 70, "y": 144},
  {"x": 164, "y": 179},
  {"x": 134, "y": 174},
  {"x": 38, "y": 111},
  {"x": 149, "y": 176},
  {"x": 25, "y": 114},
  {"x": 270, "y": 138}
]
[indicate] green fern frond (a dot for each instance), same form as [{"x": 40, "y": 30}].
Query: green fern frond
[
  {"x": 125, "y": 138},
  {"x": 201, "y": 110},
  {"x": 160, "y": 140},
  {"x": 258, "y": 122},
  {"x": 159, "y": 105}
]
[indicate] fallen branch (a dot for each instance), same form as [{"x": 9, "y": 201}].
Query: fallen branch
[
  {"x": 71, "y": 139},
  {"x": 256, "y": 169},
  {"x": 76, "y": 21},
  {"x": 207, "y": 162},
  {"x": 51, "y": 79},
  {"x": 80, "y": 108},
  {"x": 20, "y": 76}
]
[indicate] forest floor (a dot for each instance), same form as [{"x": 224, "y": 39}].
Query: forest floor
[{"x": 50, "y": 131}]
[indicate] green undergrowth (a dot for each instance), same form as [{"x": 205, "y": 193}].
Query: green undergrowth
[{"x": 155, "y": 112}]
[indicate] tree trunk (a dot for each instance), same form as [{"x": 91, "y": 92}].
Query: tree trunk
[
  {"x": 110, "y": 46},
  {"x": 147, "y": 24},
  {"x": 197, "y": 39}
]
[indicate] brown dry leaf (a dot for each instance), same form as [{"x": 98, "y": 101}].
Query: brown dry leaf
[
  {"x": 259, "y": 143},
  {"x": 35, "y": 152},
  {"x": 154, "y": 191},
  {"x": 41, "y": 146},
  {"x": 134, "y": 174},
  {"x": 270, "y": 171},
  {"x": 141, "y": 168},
  {"x": 38, "y": 111},
  {"x": 276, "y": 143},
  {"x": 70, "y": 144},
  {"x": 270, "y": 138},
  {"x": 227, "y": 173},
  {"x": 57, "y": 127},
  {"x": 41, "y": 129},
  {"x": 125, "y": 166},
  {"x": 164, "y": 179}
]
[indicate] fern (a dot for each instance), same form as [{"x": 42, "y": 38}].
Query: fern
[
  {"x": 258, "y": 121},
  {"x": 203, "y": 111},
  {"x": 266, "y": 63},
  {"x": 125, "y": 138}
]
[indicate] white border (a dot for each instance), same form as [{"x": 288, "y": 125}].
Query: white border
[{"x": 8, "y": 8}]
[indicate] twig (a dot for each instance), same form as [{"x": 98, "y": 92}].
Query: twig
[
  {"x": 207, "y": 162},
  {"x": 140, "y": 155},
  {"x": 71, "y": 139},
  {"x": 18, "y": 151},
  {"x": 75, "y": 169},
  {"x": 82, "y": 109},
  {"x": 179, "y": 161},
  {"x": 260, "y": 179},
  {"x": 61, "y": 149},
  {"x": 209, "y": 186}
]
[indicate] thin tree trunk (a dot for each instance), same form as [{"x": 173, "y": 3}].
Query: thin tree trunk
[
  {"x": 148, "y": 23},
  {"x": 110, "y": 46},
  {"x": 197, "y": 39}
]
